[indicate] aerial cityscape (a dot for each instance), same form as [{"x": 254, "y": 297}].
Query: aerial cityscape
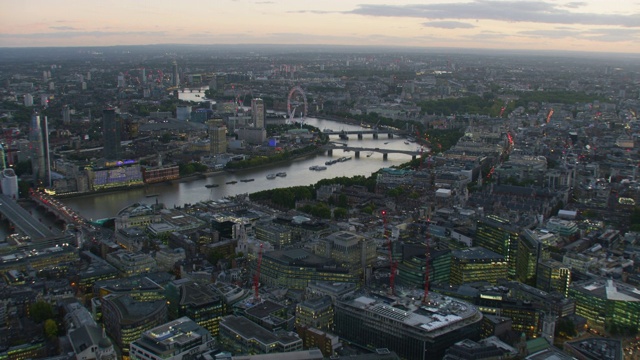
[{"x": 265, "y": 193}]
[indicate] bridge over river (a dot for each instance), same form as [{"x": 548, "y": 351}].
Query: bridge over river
[{"x": 358, "y": 150}]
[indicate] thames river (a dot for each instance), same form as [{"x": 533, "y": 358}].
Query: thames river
[{"x": 178, "y": 193}]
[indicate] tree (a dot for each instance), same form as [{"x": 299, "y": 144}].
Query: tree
[
  {"x": 40, "y": 311},
  {"x": 50, "y": 328},
  {"x": 340, "y": 213}
]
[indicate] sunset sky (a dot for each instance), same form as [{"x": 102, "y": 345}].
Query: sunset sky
[{"x": 591, "y": 25}]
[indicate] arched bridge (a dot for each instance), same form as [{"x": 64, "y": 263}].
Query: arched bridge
[{"x": 357, "y": 150}]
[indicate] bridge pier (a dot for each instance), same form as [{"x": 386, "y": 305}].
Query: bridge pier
[
  {"x": 390, "y": 135},
  {"x": 385, "y": 156},
  {"x": 375, "y": 136},
  {"x": 357, "y": 154},
  {"x": 330, "y": 152},
  {"x": 413, "y": 157}
]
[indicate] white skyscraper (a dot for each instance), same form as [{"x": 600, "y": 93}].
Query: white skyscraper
[{"x": 28, "y": 100}]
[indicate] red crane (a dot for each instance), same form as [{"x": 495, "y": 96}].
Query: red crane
[
  {"x": 549, "y": 115},
  {"x": 392, "y": 264},
  {"x": 256, "y": 277},
  {"x": 502, "y": 109}
]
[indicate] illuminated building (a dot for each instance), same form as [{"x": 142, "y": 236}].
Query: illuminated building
[
  {"x": 553, "y": 276},
  {"x": 196, "y": 301},
  {"x": 294, "y": 269},
  {"x": 176, "y": 340},
  {"x": 121, "y": 175},
  {"x": 111, "y": 134},
  {"x": 595, "y": 348},
  {"x": 607, "y": 304},
  {"x": 37, "y": 150},
  {"x": 279, "y": 236},
  {"x": 130, "y": 264},
  {"x": 476, "y": 264},
  {"x": 257, "y": 113},
  {"x": 350, "y": 250},
  {"x": 316, "y": 313},
  {"x": 532, "y": 247},
  {"x": 500, "y": 236},
  {"x": 242, "y": 336},
  {"x": 411, "y": 271},
  {"x": 411, "y": 329},
  {"x": 125, "y": 319},
  {"x": 314, "y": 338},
  {"x": 525, "y": 317}
]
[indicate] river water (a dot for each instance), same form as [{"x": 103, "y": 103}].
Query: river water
[{"x": 178, "y": 193}]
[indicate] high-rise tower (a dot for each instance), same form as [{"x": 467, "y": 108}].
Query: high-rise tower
[
  {"x": 111, "y": 132},
  {"x": 217, "y": 137},
  {"x": 174, "y": 71},
  {"x": 36, "y": 144},
  {"x": 257, "y": 112}
]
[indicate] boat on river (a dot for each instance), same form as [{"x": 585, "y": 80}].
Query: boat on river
[
  {"x": 247, "y": 180},
  {"x": 209, "y": 186},
  {"x": 231, "y": 182},
  {"x": 281, "y": 174},
  {"x": 271, "y": 176}
]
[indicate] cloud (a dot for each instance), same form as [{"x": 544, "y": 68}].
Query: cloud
[
  {"x": 448, "y": 25},
  {"x": 575, "y": 4},
  {"x": 550, "y": 33},
  {"x": 73, "y": 34},
  {"x": 62, "y": 28},
  {"x": 612, "y": 35},
  {"x": 264, "y": 2},
  {"x": 509, "y": 10}
]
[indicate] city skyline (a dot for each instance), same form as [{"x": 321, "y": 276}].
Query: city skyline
[{"x": 590, "y": 26}]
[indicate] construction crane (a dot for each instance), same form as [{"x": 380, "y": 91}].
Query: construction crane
[
  {"x": 392, "y": 264},
  {"x": 256, "y": 277},
  {"x": 502, "y": 109}
]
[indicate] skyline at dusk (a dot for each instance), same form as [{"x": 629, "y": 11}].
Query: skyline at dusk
[{"x": 591, "y": 26}]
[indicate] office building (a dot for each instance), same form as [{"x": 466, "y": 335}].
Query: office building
[
  {"x": 257, "y": 113},
  {"x": 125, "y": 319},
  {"x": 316, "y": 313},
  {"x": 9, "y": 183},
  {"x": 37, "y": 150},
  {"x": 608, "y": 305},
  {"x": 176, "y": 340},
  {"x": 3, "y": 157},
  {"x": 242, "y": 336},
  {"x": 66, "y": 114},
  {"x": 595, "y": 348},
  {"x": 553, "y": 276},
  {"x": 111, "y": 128},
  {"x": 183, "y": 113},
  {"x": 28, "y": 100},
  {"x": 532, "y": 248},
  {"x": 500, "y": 236},
  {"x": 277, "y": 235},
  {"x": 130, "y": 264},
  {"x": 196, "y": 301},
  {"x": 217, "y": 137},
  {"x": 175, "y": 78},
  {"x": 349, "y": 250},
  {"x": 411, "y": 329},
  {"x": 294, "y": 269},
  {"x": 477, "y": 264},
  {"x": 313, "y": 338}
]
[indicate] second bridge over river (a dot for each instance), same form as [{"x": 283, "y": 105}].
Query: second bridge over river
[{"x": 358, "y": 150}]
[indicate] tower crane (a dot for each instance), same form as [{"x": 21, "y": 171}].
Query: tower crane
[
  {"x": 256, "y": 277},
  {"x": 549, "y": 115}
]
